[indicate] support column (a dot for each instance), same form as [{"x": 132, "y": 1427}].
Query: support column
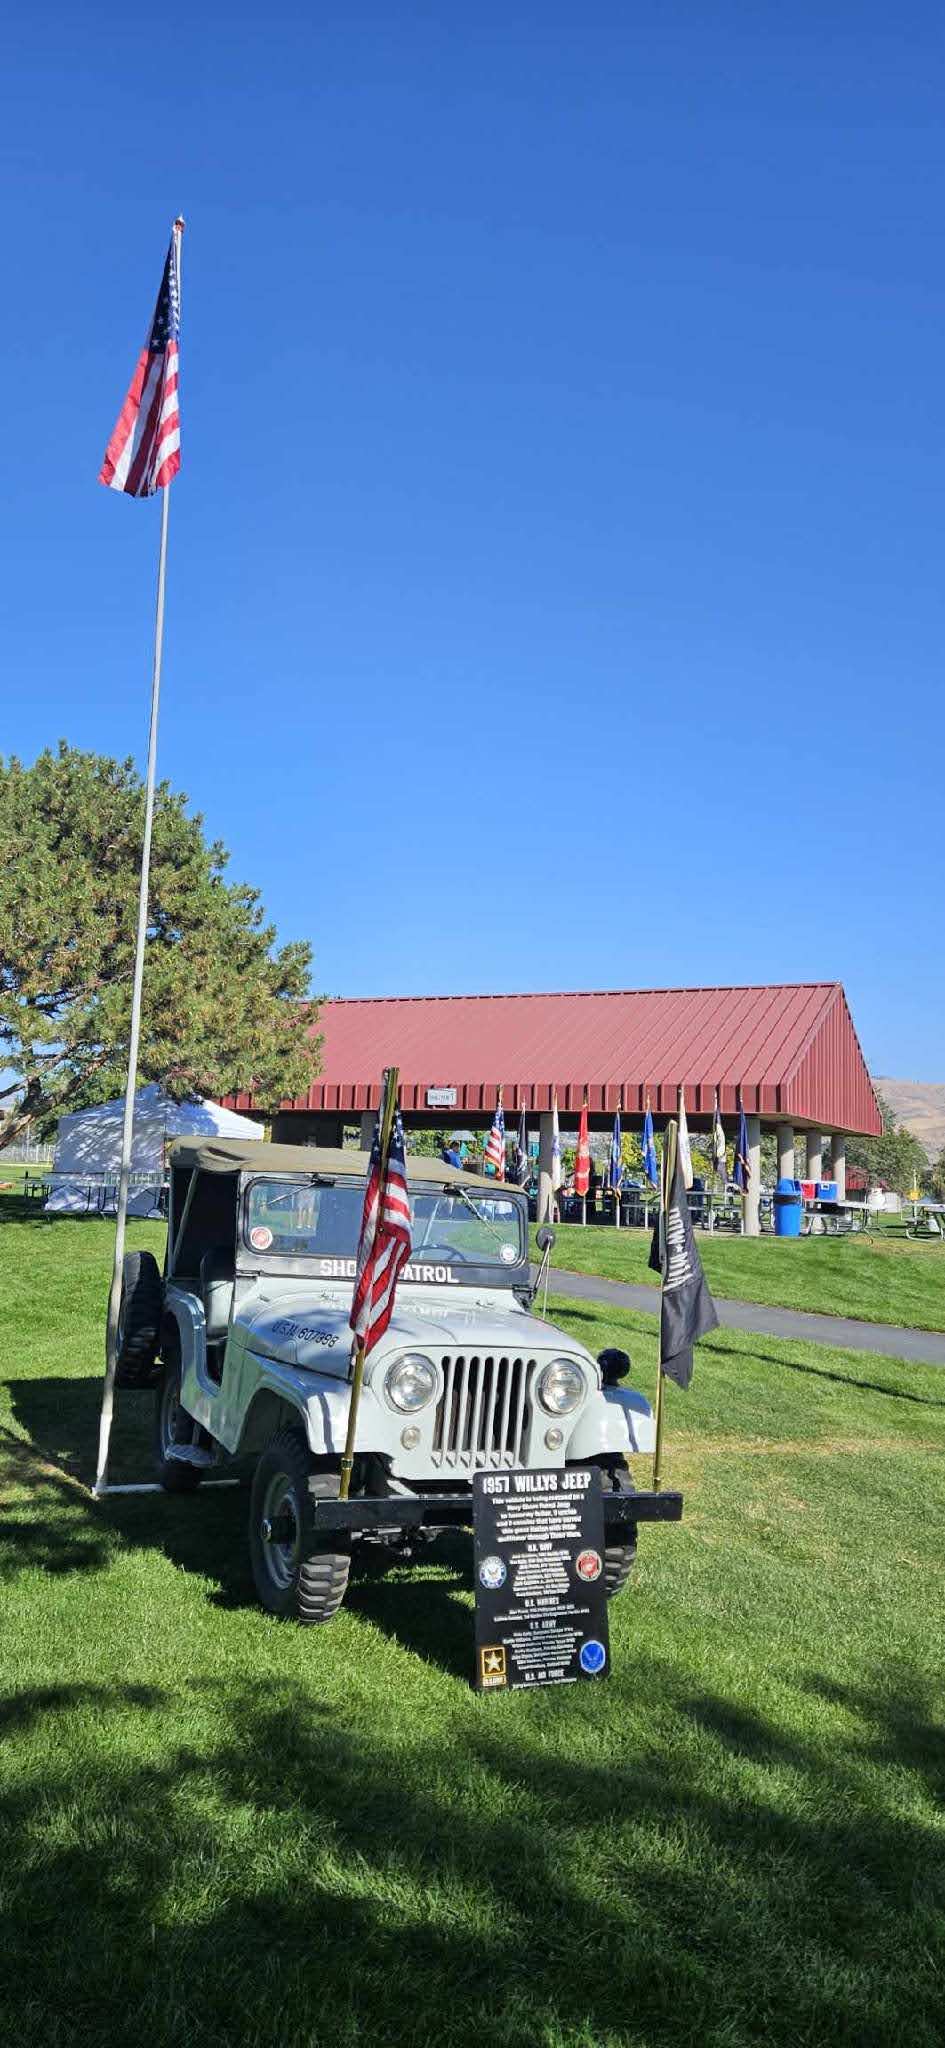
[
  {"x": 815, "y": 1155},
  {"x": 838, "y": 1157},
  {"x": 752, "y": 1223},
  {"x": 545, "y": 1142},
  {"x": 368, "y": 1121},
  {"x": 785, "y": 1151}
]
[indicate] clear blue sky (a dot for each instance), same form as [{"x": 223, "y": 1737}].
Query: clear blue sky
[{"x": 562, "y": 411}]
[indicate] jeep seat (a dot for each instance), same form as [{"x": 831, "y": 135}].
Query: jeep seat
[{"x": 217, "y": 1275}]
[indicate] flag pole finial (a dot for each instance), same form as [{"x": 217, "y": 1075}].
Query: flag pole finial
[{"x": 179, "y": 224}]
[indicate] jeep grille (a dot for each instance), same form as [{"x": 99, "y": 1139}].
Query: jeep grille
[{"x": 482, "y": 1413}]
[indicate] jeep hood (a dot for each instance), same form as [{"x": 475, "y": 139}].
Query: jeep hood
[{"x": 309, "y": 1328}]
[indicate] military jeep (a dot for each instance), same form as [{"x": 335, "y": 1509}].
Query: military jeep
[{"x": 245, "y": 1338}]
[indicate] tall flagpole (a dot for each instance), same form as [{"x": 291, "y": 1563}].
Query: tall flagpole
[{"x": 127, "y": 1128}]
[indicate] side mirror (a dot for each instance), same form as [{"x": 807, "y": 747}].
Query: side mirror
[{"x": 545, "y": 1238}]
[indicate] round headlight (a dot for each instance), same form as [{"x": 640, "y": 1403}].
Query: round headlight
[
  {"x": 410, "y": 1382},
  {"x": 560, "y": 1387}
]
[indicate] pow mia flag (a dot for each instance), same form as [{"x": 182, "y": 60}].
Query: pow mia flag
[{"x": 687, "y": 1310}]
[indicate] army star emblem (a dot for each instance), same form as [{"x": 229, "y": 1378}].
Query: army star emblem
[{"x": 492, "y": 1666}]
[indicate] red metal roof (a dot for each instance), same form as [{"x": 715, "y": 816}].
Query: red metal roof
[{"x": 788, "y": 1050}]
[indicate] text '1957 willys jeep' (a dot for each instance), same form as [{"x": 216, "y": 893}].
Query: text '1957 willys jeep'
[{"x": 246, "y": 1338}]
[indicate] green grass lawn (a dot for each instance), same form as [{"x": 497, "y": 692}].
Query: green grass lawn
[
  {"x": 888, "y": 1280},
  {"x": 217, "y": 1830},
  {"x": 15, "y": 1173}
]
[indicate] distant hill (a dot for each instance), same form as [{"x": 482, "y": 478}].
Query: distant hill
[{"x": 920, "y": 1105}]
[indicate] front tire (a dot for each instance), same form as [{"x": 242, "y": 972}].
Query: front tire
[
  {"x": 297, "y": 1577},
  {"x": 173, "y": 1425},
  {"x": 620, "y": 1558}
]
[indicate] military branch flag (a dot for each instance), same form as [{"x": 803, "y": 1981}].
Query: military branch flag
[
  {"x": 385, "y": 1241},
  {"x": 582, "y": 1164},
  {"x": 495, "y": 1148},
  {"x": 615, "y": 1161},
  {"x": 144, "y": 451},
  {"x": 685, "y": 1153},
  {"x": 718, "y": 1142},
  {"x": 521, "y": 1171},
  {"x": 687, "y": 1310},
  {"x": 742, "y": 1175},
  {"x": 556, "y": 1175},
  {"x": 650, "y": 1166}
]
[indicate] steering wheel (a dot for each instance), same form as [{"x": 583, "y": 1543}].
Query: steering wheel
[{"x": 449, "y": 1252}]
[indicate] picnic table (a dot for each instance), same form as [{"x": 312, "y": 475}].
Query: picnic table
[{"x": 834, "y": 1219}]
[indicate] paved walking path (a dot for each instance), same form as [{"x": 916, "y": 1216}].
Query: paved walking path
[{"x": 922, "y": 1347}]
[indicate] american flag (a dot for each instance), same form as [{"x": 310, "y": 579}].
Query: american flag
[
  {"x": 144, "y": 451},
  {"x": 385, "y": 1241},
  {"x": 495, "y": 1148}
]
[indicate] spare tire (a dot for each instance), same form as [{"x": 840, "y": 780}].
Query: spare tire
[{"x": 139, "y": 1321}]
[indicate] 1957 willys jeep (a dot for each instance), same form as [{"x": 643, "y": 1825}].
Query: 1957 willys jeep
[{"x": 246, "y": 1338}]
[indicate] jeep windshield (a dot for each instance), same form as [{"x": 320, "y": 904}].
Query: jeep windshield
[{"x": 450, "y": 1227}]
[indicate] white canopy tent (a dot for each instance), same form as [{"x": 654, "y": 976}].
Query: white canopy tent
[{"x": 88, "y": 1149}]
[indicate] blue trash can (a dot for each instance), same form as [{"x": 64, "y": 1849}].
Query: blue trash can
[{"x": 788, "y": 1206}]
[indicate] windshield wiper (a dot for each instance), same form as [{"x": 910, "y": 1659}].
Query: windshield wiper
[{"x": 471, "y": 1206}]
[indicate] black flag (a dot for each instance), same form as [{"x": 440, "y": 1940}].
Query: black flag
[{"x": 687, "y": 1310}]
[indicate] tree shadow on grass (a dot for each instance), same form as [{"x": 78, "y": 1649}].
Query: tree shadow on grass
[
  {"x": 582, "y": 1315},
  {"x": 906, "y": 1730},
  {"x": 56, "y": 1523},
  {"x": 823, "y": 1372},
  {"x": 59, "y": 1415},
  {"x": 44, "y": 1517},
  {"x": 419, "y": 1606},
  {"x": 231, "y": 1863}
]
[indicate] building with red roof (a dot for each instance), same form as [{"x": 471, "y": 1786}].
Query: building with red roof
[{"x": 788, "y": 1054}]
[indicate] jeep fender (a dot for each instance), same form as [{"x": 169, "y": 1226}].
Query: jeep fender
[
  {"x": 279, "y": 1395},
  {"x": 620, "y": 1421}
]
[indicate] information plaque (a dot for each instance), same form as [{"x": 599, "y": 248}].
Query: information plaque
[{"x": 541, "y": 1599}]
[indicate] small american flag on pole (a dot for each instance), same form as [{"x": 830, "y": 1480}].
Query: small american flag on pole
[
  {"x": 385, "y": 1242},
  {"x": 144, "y": 451},
  {"x": 495, "y": 1148}
]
